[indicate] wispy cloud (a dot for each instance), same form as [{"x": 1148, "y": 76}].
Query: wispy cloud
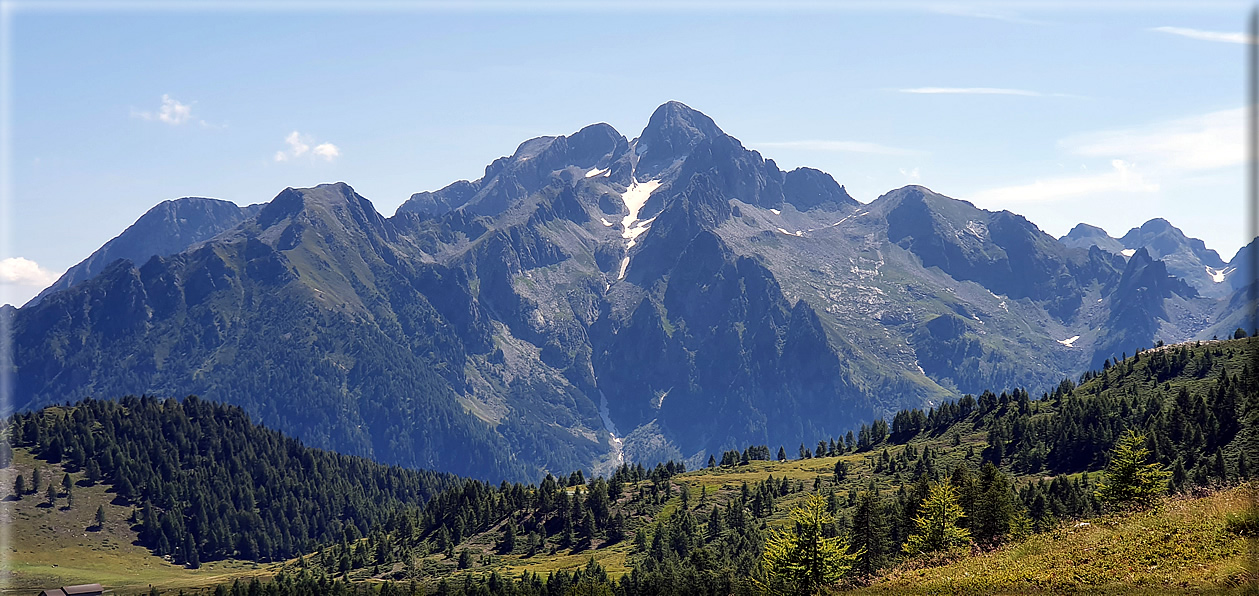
[
  {"x": 840, "y": 146},
  {"x": 959, "y": 11},
  {"x": 1141, "y": 158},
  {"x": 172, "y": 112},
  {"x": 301, "y": 145},
  {"x": 1201, "y": 142},
  {"x": 981, "y": 91},
  {"x": 1220, "y": 36},
  {"x": 1122, "y": 177}
]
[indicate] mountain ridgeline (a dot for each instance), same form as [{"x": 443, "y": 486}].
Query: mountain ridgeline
[{"x": 593, "y": 300}]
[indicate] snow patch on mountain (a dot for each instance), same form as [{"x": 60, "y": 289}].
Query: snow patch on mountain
[
  {"x": 631, "y": 228},
  {"x": 1218, "y": 275}
]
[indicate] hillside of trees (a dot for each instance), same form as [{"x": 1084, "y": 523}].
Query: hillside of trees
[
  {"x": 206, "y": 483},
  {"x": 1015, "y": 465}
]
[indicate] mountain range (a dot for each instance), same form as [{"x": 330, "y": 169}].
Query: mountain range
[{"x": 593, "y": 299}]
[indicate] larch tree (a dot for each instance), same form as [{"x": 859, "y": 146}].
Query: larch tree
[
  {"x": 800, "y": 558},
  {"x": 936, "y": 527}
]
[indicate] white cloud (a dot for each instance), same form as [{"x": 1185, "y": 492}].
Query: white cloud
[
  {"x": 327, "y": 151},
  {"x": 21, "y": 279},
  {"x": 25, "y": 272},
  {"x": 911, "y": 174},
  {"x": 844, "y": 146},
  {"x": 1202, "y": 142},
  {"x": 300, "y": 144},
  {"x": 1220, "y": 36},
  {"x": 172, "y": 112}
]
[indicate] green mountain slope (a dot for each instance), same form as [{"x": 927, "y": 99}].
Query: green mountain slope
[{"x": 652, "y": 530}]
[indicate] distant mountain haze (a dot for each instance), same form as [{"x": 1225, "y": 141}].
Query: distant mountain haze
[
  {"x": 170, "y": 227},
  {"x": 593, "y": 299}
]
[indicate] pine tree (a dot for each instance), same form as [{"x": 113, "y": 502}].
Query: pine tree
[
  {"x": 841, "y": 470},
  {"x": 35, "y": 480},
  {"x": 587, "y": 525},
  {"x": 800, "y": 559},
  {"x": 936, "y": 527},
  {"x": 100, "y": 516},
  {"x": 994, "y": 509},
  {"x": 93, "y": 472},
  {"x": 869, "y": 533},
  {"x": 51, "y": 496},
  {"x": 508, "y": 543},
  {"x": 782, "y": 454},
  {"x": 616, "y": 528},
  {"x": 1129, "y": 480},
  {"x": 19, "y": 486},
  {"x": 190, "y": 552}
]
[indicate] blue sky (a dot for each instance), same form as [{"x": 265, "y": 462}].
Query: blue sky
[{"x": 1109, "y": 114}]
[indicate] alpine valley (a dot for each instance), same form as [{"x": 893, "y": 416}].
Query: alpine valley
[{"x": 593, "y": 300}]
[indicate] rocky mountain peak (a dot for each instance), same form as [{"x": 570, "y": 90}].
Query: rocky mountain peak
[
  {"x": 1163, "y": 239},
  {"x": 673, "y": 130},
  {"x": 169, "y": 227}
]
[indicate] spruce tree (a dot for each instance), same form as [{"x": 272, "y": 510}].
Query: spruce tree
[
  {"x": 1129, "y": 480},
  {"x": 508, "y": 542},
  {"x": 100, "y": 516},
  {"x": 869, "y": 534}
]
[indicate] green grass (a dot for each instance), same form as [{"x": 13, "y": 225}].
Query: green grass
[
  {"x": 1182, "y": 545},
  {"x": 50, "y": 547}
]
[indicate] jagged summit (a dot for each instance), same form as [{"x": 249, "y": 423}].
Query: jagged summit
[
  {"x": 672, "y": 132},
  {"x": 1163, "y": 239},
  {"x": 679, "y": 288},
  {"x": 337, "y": 201}
]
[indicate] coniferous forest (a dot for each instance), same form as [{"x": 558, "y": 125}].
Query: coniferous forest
[{"x": 205, "y": 483}]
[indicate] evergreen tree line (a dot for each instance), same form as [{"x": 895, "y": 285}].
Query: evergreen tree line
[
  {"x": 1193, "y": 405},
  {"x": 206, "y": 483}
]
